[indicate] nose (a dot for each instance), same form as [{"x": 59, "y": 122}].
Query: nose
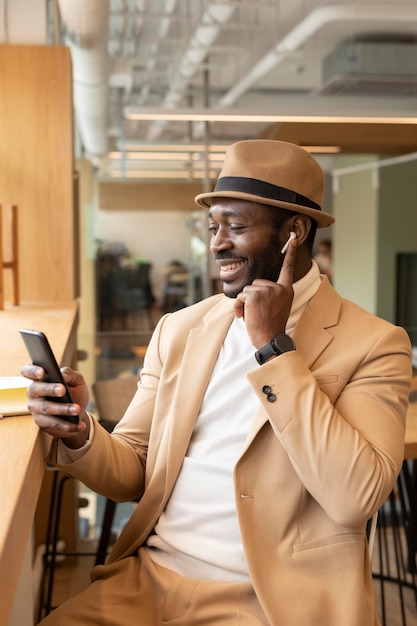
[{"x": 220, "y": 241}]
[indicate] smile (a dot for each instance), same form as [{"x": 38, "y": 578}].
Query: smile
[{"x": 232, "y": 266}]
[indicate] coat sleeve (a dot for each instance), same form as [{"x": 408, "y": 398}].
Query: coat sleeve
[
  {"x": 114, "y": 464},
  {"x": 344, "y": 430}
]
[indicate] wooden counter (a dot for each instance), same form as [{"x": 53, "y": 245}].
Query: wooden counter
[{"x": 21, "y": 442}]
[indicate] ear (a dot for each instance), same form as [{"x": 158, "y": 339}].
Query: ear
[{"x": 301, "y": 225}]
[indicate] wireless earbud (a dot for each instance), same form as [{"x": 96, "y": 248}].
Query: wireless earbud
[{"x": 290, "y": 238}]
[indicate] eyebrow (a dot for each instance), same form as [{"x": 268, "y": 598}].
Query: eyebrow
[{"x": 228, "y": 213}]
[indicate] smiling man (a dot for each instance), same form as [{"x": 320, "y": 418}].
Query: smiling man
[{"x": 267, "y": 428}]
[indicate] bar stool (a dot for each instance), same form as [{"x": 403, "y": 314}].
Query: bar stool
[
  {"x": 397, "y": 543},
  {"x": 52, "y": 553},
  {"x": 112, "y": 399}
]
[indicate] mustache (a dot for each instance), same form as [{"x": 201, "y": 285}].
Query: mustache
[{"x": 224, "y": 254}]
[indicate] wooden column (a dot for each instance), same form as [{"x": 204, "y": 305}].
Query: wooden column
[{"x": 37, "y": 172}]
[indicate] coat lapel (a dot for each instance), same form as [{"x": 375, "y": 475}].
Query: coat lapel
[
  {"x": 199, "y": 357},
  {"x": 311, "y": 334}
]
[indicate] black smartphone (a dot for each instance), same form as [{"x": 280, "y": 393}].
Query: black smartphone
[{"x": 41, "y": 354}]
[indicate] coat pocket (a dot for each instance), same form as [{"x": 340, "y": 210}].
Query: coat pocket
[{"x": 333, "y": 541}]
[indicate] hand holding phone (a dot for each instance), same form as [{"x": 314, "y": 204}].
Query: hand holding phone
[{"x": 41, "y": 354}]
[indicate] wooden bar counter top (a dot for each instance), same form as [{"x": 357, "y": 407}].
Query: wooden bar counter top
[{"x": 21, "y": 443}]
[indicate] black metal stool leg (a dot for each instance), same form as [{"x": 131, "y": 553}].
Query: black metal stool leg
[
  {"x": 54, "y": 551},
  {"x": 46, "y": 554},
  {"x": 105, "y": 531},
  {"x": 51, "y": 553},
  {"x": 399, "y": 560},
  {"x": 409, "y": 507},
  {"x": 399, "y": 516},
  {"x": 382, "y": 548}
]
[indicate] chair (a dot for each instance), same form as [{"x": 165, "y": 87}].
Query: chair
[
  {"x": 176, "y": 287},
  {"x": 124, "y": 293},
  {"x": 112, "y": 398},
  {"x": 133, "y": 294},
  {"x": 396, "y": 536},
  {"x": 396, "y": 543}
]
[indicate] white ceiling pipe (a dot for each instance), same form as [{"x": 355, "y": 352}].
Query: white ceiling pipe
[
  {"x": 214, "y": 17},
  {"x": 376, "y": 13},
  {"x": 212, "y": 21},
  {"x": 140, "y": 8},
  {"x": 90, "y": 105},
  {"x": 86, "y": 26},
  {"x": 170, "y": 6}
]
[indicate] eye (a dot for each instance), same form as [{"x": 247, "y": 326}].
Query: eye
[
  {"x": 236, "y": 228},
  {"x": 212, "y": 229}
]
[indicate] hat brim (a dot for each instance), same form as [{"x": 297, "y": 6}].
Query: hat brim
[{"x": 320, "y": 217}]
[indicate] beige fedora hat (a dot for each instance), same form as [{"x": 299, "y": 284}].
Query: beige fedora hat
[{"x": 271, "y": 172}]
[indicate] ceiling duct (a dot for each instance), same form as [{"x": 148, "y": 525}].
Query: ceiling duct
[
  {"x": 371, "y": 68},
  {"x": 215, "y": 16},
  {"x": 86, "y": 33},
  {"x": 363, "y": 18}
]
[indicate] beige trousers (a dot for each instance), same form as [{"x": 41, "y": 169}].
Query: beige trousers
[{"x": 137, "y": 591}]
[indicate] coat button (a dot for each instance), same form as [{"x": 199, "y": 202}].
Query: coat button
[
  {"x": 271, "y": 397},
  {"x": 266, "y": 389}
]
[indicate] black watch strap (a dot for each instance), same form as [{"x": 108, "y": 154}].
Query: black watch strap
[{"x": 278, "y": 345}]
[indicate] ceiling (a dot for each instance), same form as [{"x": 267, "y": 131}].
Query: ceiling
[{"x": 292, "y": 63}]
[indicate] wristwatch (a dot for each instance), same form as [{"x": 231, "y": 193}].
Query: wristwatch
[{"x": 278, "y": 345}]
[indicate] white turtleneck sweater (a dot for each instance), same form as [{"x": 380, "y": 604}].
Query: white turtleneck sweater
[{"x": 198, "y": 534}]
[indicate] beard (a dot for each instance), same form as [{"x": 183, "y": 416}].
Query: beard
[{"x": 266, "y": 265}]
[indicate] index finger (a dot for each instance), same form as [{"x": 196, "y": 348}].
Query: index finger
[
  {"x": 33, "y": 372},
  {"x": 286, "y": 275}
]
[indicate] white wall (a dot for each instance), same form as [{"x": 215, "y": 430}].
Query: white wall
[
  {"x": 160, "y": 236},
  {"x": 355, "y": 234}
]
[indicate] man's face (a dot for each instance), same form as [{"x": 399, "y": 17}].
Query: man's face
[{"x": 245, "y": 242}]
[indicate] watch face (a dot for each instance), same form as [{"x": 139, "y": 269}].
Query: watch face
[{"x": 284, "y": 343}]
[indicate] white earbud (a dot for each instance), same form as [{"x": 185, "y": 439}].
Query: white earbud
[{"x": 290, "y": 238}]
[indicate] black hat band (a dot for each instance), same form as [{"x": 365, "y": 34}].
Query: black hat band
[{"x": 264, "y": 190}]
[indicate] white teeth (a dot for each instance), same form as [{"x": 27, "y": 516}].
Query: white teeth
[{"x": 231, "y": 266}]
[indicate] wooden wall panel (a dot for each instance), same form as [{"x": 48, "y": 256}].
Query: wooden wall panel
[
  {"x": 36, "y": 166},
  {"x": 148, "y": 196},
  {"x": 351, "y": 138}
]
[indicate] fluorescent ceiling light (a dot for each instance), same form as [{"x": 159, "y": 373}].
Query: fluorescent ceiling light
[
  {"x": 164, "y": 156},
  {"x": 128, "y": 148},
  {"x": 180, "y": 147},
  {"x": 208, "y": 115},
  {"x": 151, "y": 156},
  {"x": 161, "y": 174}
]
